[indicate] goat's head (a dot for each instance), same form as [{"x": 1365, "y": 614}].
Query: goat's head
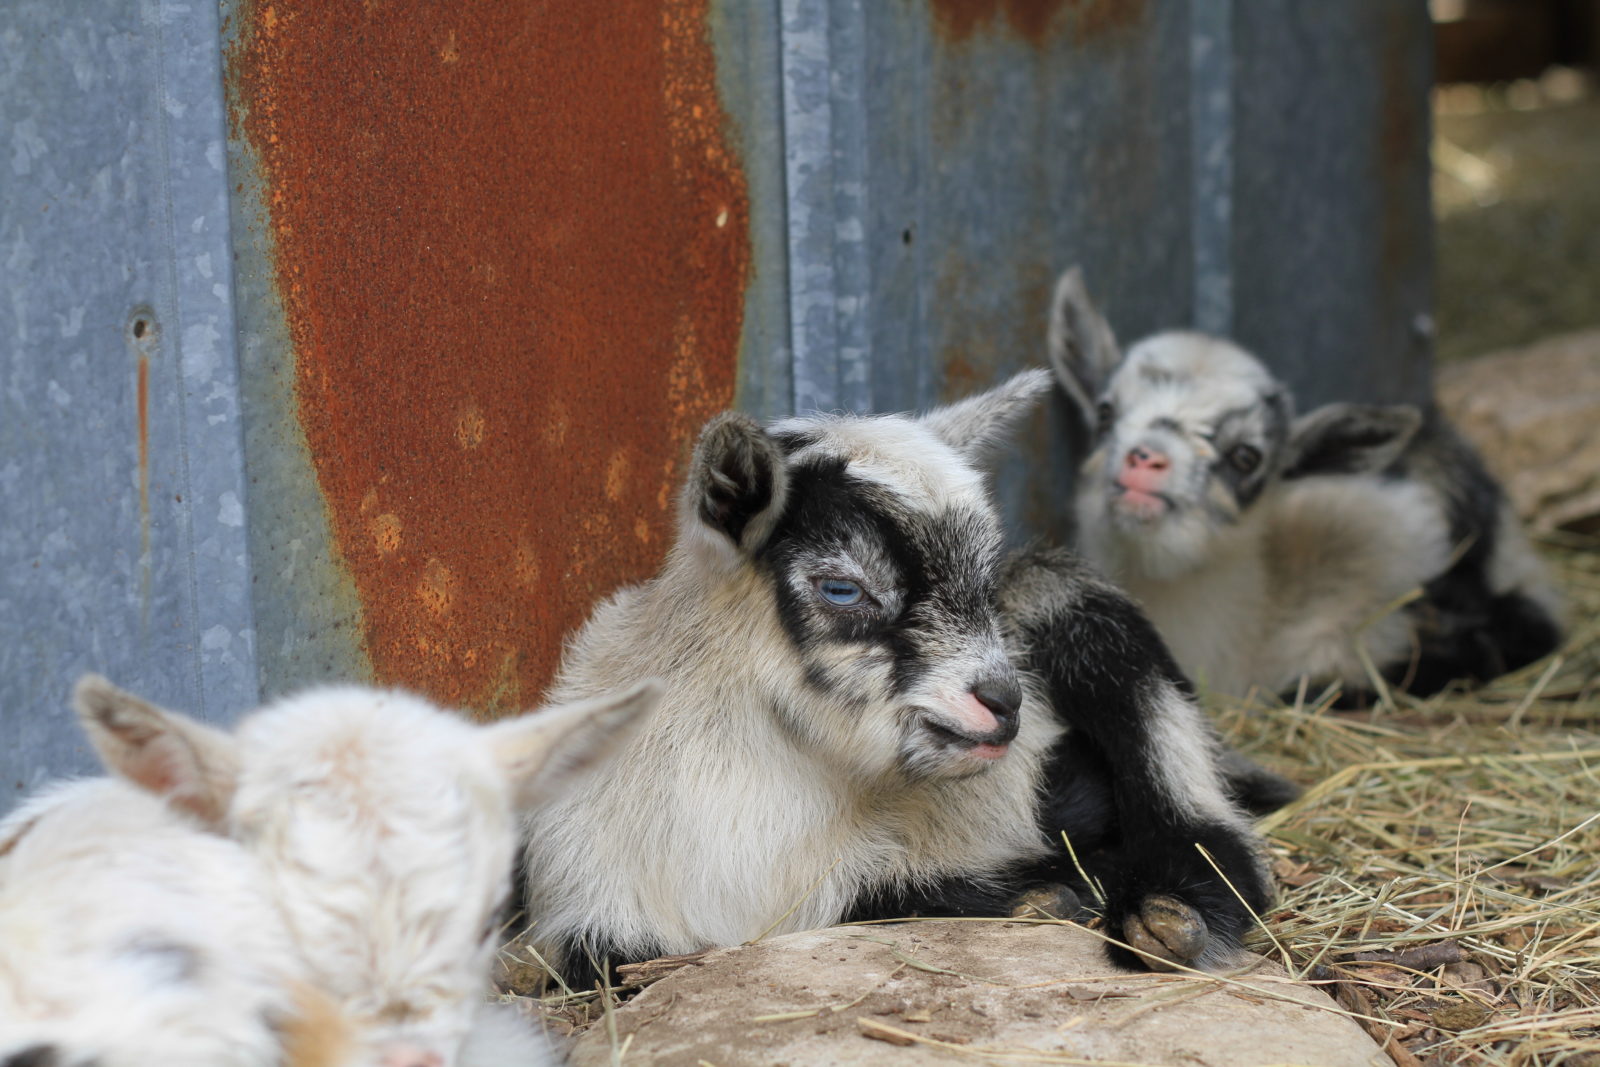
[
  {"x": 387, "y": 828},
  {"x": 1187, "y": 431},
  {"x": 881, "y": 549}
]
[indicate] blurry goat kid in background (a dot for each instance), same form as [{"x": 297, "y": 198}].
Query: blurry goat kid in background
[{"x": 1267, "y": 547}]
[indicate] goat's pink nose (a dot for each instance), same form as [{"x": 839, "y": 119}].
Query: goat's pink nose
[
  {"x": 975, "y": 716},
  {"x": 411, "y": 1056},
  {"x": 1145, "y": 459}
]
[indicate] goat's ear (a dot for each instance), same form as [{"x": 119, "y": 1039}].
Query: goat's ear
[
  {"x": 194, "y": 767},
  {"x": 1349, "y": 438},
  {"x": 738, "y": 480},
  {"x": 1083, "y": 350},
  {"x": 976, "y": 425},
  {"x": 541, "y": 754}
]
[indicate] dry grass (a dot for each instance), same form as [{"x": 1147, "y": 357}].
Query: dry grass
[
  {"x": 1441, "y": 872},
  {"x": 1469, "y": 821}
]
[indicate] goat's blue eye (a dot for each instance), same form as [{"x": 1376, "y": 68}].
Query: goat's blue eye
[{"x": 840, "y": 592}]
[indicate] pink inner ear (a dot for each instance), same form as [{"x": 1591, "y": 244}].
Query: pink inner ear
[
  {"x": 155, "y": 772},
  {"x": 158, "y": 769}
]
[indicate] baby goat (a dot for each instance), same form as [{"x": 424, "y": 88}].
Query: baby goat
[
  {"x": 869, "y": 712},
  {"x": 128, "y": 937},
  {"x": 1267, "y": 547},
  {"x": 368, "y": 831}
]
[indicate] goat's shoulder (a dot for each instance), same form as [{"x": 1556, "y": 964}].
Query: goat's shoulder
[
  {"x": 1042, "y": 580},
  {"x": 1059, "y": 608}
]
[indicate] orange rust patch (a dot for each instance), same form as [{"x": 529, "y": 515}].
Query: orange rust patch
[
  {"x": 470, "y": 427},
  {"x": 1035, "y": 20},
  {"x": 512, "y": 245},
  {"x": 386, "y": 532}
]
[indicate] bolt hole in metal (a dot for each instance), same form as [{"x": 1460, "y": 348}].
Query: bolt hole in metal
[{"x": 142, "y": 327}]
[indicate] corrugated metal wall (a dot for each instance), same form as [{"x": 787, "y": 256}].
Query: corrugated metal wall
[{"x": 368, "y": 340}]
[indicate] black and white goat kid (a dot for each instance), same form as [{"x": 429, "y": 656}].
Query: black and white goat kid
[
  {"x": 869, "y": 713},
  {"x": 1267, "y": 547}
]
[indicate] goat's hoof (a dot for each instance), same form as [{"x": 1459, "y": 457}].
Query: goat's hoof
[
  {"x": 1166, "y": 931},
  {"x": 1047, "y": 902}
]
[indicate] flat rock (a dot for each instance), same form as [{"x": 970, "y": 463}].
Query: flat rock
[
  {"x": 1534, "y": 413},
  {"x": 951, "y": 992}
]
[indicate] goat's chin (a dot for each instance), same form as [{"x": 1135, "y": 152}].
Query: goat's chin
[
  {"x": 928, "y": 757},
  {"x": 1158, "y": 541}
]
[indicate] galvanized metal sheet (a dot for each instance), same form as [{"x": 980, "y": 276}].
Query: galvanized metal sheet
[
  {"x": 746, "y": 41},
  {"x": 989, "y": 145},
  {"x": 122, "y": 547},
  {"x": 1333, "y": 236},
  {"x": 1255, "y": 170}
]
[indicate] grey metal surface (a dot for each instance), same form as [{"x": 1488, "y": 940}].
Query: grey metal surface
[
  {"x": 1257, "y": 169},
  {"x": 1211, "y": 137},
  {"x": 1333, "y": 236},
  {"x": 826, "y": 163},
  {"x": 118, "y": 557},
  {"x": 747, "y": 41},
  {"x": 308, "y": 617},
  {"x": 989, "y": 161}
]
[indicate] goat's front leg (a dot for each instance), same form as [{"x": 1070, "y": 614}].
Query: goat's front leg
[{"x": 1139, "y": 763}]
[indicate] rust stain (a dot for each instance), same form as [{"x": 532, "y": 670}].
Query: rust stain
[
  {"x": 143, "y": 335},
  {"x": 142, "y": 406},
  {"x": 142, "y": 403},
  {"x": 512, "y": 243},
  {"x": 1035, "y": 21}
]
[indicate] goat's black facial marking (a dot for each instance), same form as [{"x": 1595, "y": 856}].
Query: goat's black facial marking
[
  {"x": 792, "y": 441},
  {"x": 1105, "y": 418},
  {"x": 829, "y": 515},
  {"x": 1247, "y": 441},
  {"x": 927, "y": 584}
]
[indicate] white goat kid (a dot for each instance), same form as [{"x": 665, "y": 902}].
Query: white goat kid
[
  {"x": 1268, "y": 548},
  {"x": 382, "y": 832},
  {"x": 128, "y": 936},
  {"x": 845, "y": 731}
]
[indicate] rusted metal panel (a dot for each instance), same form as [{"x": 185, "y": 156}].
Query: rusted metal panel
[{"x": 511, "y": 246}]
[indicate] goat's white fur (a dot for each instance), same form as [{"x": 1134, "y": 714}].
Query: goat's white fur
[
  {"x": 371, "y": 836},
  {"x": 744, "y": 768},
  {"x": 1308, "y": 582},
  {"x": 132, "y": 937}
]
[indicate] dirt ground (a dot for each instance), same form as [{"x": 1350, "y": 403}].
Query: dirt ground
[{"x": 1517, "y": 200}]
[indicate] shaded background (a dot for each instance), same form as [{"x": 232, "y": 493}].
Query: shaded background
[{"x": 368, "y": 341}]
